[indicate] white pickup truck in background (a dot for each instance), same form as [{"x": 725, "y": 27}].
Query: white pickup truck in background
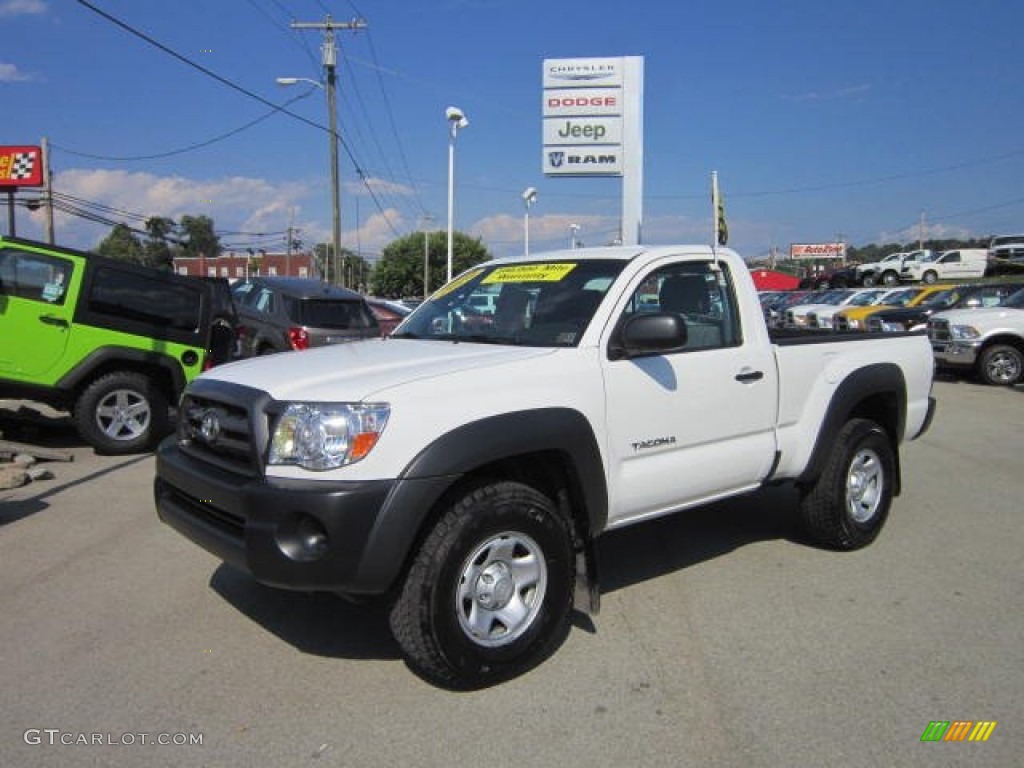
[
  {"x": 988, "y": 341},
  {"x": 464, "y": 468}
]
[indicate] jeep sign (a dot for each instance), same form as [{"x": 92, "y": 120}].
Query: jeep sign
[{"x": 583, "y": 130}]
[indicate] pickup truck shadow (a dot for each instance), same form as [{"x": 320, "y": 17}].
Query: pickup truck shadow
[
  {"x": 640, "y": 552},
  {"x": 326, "y": 625},
  {"x": 317, "y": 623}
]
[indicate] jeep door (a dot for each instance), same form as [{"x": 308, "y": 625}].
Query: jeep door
[
  {"x": 688, "y": 426},
  {"x": 35, "y": 311}
]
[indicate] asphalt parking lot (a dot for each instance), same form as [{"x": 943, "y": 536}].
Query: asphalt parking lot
[{"x": 722, "y": 641}]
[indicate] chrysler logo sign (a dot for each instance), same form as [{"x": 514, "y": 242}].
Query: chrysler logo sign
[{"x": 209, "y": 427}]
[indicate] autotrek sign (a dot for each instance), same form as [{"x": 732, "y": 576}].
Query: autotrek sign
[{"x": 958, "y": 730}]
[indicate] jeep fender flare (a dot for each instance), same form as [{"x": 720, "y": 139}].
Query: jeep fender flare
[
  {"x": 109, "y": 358},
  {"x": 877, "y": 392},
  {"x": 440, "y": 464}
]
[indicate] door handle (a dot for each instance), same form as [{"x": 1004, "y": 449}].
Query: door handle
[
  {"x": 53, "y": 320},
  {"x": 750, "y": 376}
]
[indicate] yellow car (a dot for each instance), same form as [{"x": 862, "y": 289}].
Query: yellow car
[{"x": 855, "y": 318}]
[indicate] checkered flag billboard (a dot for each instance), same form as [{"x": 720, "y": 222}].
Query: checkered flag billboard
[{"x": 21, "y": 167}]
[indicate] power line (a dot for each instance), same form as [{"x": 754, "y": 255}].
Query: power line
[
  {"x": 189, "y": 148},
  {"x": 246, "y": 92}
]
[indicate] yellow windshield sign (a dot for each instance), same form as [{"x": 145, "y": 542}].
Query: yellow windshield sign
[
  {"x": 530, "y": 273},
  {"x": 458, "y": 282}
]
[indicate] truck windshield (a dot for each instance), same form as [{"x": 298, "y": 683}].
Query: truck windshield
[{"x": 544, "y": 304}]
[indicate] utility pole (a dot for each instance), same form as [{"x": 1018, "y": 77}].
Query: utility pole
[
  {"x": 47, "y": 192},
  {"x": 920, "y": 233},
  {"x": 329, "y": 60},
  {"x": 288, "y": 251}
]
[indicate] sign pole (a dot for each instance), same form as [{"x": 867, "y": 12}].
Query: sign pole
[{"x": 10, "y": 211}]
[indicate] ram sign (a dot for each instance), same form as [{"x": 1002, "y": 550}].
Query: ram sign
[{"x": 817, "y": 251}]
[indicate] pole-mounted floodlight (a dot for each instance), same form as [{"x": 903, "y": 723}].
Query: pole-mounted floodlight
[{"x": 458, "y": 120}]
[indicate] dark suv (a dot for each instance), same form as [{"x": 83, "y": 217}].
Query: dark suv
[{"x": 277, "y": 314}]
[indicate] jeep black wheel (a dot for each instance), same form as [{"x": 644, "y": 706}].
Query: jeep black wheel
[
  {"x": 849, "y": 502},
  {"x": 122, "y": 412},
  {"x": 1001, "y": 365},
  {"x": 490, "y": 590}
]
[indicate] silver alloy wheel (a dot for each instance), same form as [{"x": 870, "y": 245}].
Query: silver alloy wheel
[
  {"x": 123, "y": 414},
  {"x": 864, "y": 482},
  {"x": 1003, "y": 367},
  {"x": 501, "y": 589}
]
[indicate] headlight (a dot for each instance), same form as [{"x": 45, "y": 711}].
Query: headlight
[
  {"x": 892, "y": 326},
  {"x": 963, "y": 332},
  {"x": 854, "y": 324},
  {"x": 327, "y": 435}
]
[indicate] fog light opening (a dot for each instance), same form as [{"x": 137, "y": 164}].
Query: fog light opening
[{"x": 304, "y": 538}]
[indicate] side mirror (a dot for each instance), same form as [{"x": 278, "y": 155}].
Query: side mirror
[{"x": 648, "y": 335}]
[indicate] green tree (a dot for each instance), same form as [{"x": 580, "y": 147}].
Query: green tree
[
  {"x": 329, "y": 266},
  {"x": 399, "y": 272},
  {"x": 122, "y": 244},
  {"x": 158, "y": 251},
  {"x": 199, "y": 237}
]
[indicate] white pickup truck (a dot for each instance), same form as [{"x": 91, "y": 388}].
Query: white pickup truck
[
  {"x": 464, "y": 467},
  {"x": 988, "y": 341}
]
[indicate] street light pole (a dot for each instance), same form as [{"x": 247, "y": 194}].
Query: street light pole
[
  {"x": 573, "y": 229},
  {"x": 426, "y": 219},
  {"x": 457, "y": 120},
  {"x": 529, "y": 198}
]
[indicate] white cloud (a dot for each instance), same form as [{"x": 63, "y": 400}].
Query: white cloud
[
  {"x": 9, "y": 73},
  {"x": 21, "y": 7},
  {"x": 913, "y": 233},
  {"x": 234, "y": 203}
]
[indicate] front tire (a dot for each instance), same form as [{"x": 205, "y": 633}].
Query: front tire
[
  {"x": 849, "y": 502},
  {"x": 122, "y": 412},
  {"x": 868, "y": 281},
  {"x": 890, "y": 279},
  {"x": 930, "y": 277},
  {"x": 490, "y": 590},
  {"x": 1001, "y": 365}
]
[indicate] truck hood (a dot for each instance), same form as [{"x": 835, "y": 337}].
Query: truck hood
[
  {"x": 356, "y": 371},
  {"x": 981, "y": 316}
]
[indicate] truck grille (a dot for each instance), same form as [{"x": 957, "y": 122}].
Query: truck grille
[
  {"x": 938, "y": 330},
  {"x": 225, "y": 429}
]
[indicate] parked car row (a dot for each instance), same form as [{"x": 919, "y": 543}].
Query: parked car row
[{"x": 975, "y": 328}]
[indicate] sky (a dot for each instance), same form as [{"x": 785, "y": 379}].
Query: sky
[{"x": 870, "y": 122}]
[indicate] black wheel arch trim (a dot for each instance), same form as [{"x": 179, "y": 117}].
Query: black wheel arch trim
[
  {"x": 439, "y": 465},
  {"x": 865, "y": 385},
  {"x": 109, "y": 357}
]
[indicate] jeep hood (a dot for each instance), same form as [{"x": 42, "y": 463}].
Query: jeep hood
[{"x": 358, "y": 370}]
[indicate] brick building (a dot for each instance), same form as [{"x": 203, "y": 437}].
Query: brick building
[{"x": 237, "y": 266}]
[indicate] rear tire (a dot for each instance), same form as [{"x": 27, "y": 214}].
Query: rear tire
[
  {"x": 122, "y": 412},
  {"x": 849, "y": 502},
  {"x": 490, "y": 591},
  {"x": 1001, "y": 365}
]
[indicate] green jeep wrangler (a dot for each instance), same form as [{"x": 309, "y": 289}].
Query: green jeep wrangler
[{"x": 111, "y": 342}]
